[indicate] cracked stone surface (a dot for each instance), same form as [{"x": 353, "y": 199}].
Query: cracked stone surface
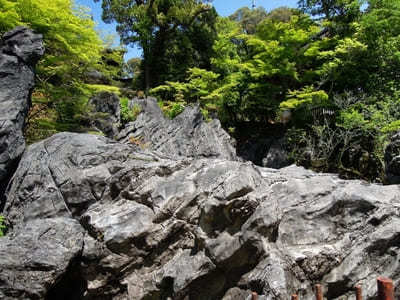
[
  {"x": 20, "y": 49},
  {"x": 36, "y": 257},
  {"x": 187, "y": 135},
  {"x": 153, "y": 227}
]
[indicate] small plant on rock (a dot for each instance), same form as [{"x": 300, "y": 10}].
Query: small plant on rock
[{"x": 2, "y": 226}]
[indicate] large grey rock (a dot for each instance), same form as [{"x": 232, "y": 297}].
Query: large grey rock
[
  {"x": 106, "y": 113},
  {"x": 20, "y": 49},
  {"x": 158, "y": 228},
  {"x": 392, "y": 160},
  {"x": 37, "y": 257},
  {"x": 187, "y": 135},
  {"x": 63, "y": 175},
  {"x": 96, "y": 77}
]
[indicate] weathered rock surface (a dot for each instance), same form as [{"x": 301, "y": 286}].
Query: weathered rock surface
[
  {"x": 96, "y": 77},
  {"x": 20, "y": 49},
  {"x": 392, "y": 160},
  {"x": 107, "y": 113},
  {"x": 187, "y": 135},
  {"x": 37, "y": 257},
  {"x": 157, "y": 228}
]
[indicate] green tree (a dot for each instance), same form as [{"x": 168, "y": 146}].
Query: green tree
[
  {"x": 331, "y": 9},
  {"x": 152, "y": 25},
  {"x": 283, "y": 14},
  {"x": 249, "y": 18},
  {"x": 132, "y": 67},
  {"x": 252, "y": 74}
]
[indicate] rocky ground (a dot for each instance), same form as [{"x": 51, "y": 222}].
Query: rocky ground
[{"x": 170, "y": 212}]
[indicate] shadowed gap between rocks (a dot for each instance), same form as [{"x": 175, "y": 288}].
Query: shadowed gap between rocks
[{"x": 71, "y": 285}]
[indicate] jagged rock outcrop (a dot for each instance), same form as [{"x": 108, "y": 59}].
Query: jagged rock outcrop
[
  {"x": 20, "y": 49},
  {"x": 187, "y": 135},
  {"x": 161, "y": 228},
  {"x": 392, "y": 160},
  {"x": 107, "y": 113}
]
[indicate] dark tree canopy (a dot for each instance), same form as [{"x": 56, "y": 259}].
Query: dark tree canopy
[
  {"x": 330, "y": 9},
  {"x": 162, "y": 28}
]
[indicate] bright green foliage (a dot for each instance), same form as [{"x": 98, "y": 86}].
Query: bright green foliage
[
  {"x": 393, "y": 127},
  {"x": 305, "y": 98},
  {"x": 171, "y": 109},
  {"x": 198, "y": 87},
  {"x": 70, "y": 39},
  {"x": 2, "y": 226},
  {"x": 251, "y": 74},
  {"x": 380, "y": 31},
  {"x": 90, "y": 89},
  {"x": 9, "y": 17},
  {"x": 69, "y": 31},
  {"x": 72, "y": 47},
  {"x": 129, "y": 114},
  {"x": 352, "y": 119},
  {"x": 112, "y": 63},
  {"x": 126, "y": 113}
]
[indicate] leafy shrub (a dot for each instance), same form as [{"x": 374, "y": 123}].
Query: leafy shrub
[
  {"x": 2, "y": 226},
  {"x": 136, "y": 110},
  {"x": 126, "y": 113},
  {"x": 171, "y": 109},
  {"x": 392, "y": 127},
  {"x": 176, "y": 109},
  {"x": 95, "y": 88},
  {"x": 129, "y": 114}
]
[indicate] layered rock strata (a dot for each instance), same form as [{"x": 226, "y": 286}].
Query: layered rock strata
[
  {"x": 187, "y": 135},
  {"x": 161, "y": 228}
]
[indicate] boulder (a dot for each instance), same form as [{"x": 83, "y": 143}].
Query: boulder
[
  {"x": 63, "y": 175},
  {"x": 106, "y": 113},
  {"x": 187, "y": 135},
  {"x": 96, "y": 77},
  {"x": 195, "y": 228},
  {"x": 20, "y": 49},
  {"x": 39, "y": 256},
  {"x": 392, "y": 160}
]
